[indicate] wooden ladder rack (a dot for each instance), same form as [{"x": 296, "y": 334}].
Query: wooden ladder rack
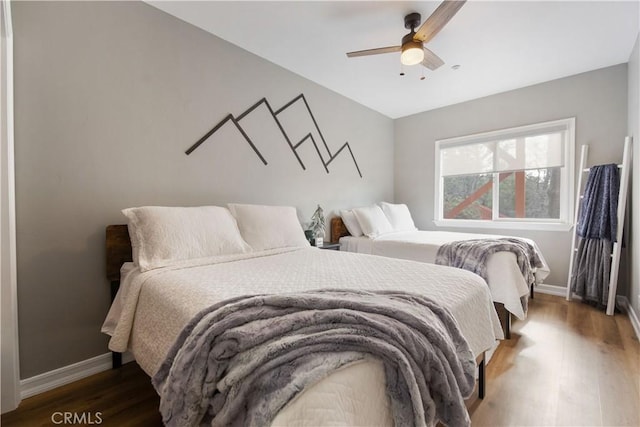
[{"x": 624, "y": 168}]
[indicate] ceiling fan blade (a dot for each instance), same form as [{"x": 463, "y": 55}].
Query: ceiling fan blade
[
  {"x": 431, "y": 60},
  {"x": 438, "y": 19},
  {"x": 377, "y": 51}
]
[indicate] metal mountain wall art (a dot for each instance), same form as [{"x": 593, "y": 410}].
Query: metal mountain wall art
[{"x": 293, "y": 146}]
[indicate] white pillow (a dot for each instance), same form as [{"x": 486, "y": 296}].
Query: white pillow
[
  {"x": 269, "y": 227},
  {"x": 351, "y": 222},
  {"x": 161, "y": 235},
  {"x": 399, "y": 216},
  {"x": 372, "y": 221}
]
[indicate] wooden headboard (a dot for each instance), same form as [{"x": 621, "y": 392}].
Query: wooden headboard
[
  {"x": 338, "y": 229},
  {"x": 118, "y": 250}
]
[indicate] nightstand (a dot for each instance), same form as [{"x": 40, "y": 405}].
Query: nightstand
[{"x": 330, "y": 246}]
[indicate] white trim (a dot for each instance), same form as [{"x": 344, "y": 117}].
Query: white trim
[
  {"x": 570, "y": 176},
  {"x": 505, "y": 225},
  {"x": 623, "y": 302},
  {"x": 68, "y": 374},
  {"x": 543, "y": 288},
  {"x": 10, "y": 396}
]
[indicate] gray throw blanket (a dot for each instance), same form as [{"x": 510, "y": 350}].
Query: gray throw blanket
[
  {"x": 599, "y": 208},
  {"x": 472, "y": 255},
  {"x": 592, "y": 267},
  {"x": 241, "y": 361}
]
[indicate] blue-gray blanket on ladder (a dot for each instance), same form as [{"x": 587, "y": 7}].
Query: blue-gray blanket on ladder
[
  {"x": 597, "y": 226},
  {"x": 241, "y": 361},
  {"x": 599, "y": 208}
]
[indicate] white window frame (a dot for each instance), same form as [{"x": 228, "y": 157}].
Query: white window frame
[{"x": 566, "y": 183}]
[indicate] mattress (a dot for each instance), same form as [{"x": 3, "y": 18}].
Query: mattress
[
  {"x": 505, "y": 280},
  {"x": 151, "y": 309}
]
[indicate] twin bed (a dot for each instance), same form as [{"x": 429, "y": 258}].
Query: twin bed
[
  {"x": 509, "y": 289},
  {"x": 158, "y": 313}
]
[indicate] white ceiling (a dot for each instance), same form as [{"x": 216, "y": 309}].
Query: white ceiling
[{"x": 499, "y": 45}]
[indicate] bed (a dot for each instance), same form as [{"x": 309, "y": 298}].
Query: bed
[
  {"x": 508, "y": 288},
  {"x": 152, "y": 307}
]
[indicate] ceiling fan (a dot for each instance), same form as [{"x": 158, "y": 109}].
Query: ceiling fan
[{"x": 412, "y": 47}]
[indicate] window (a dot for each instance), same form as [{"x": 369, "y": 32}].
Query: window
[{"x": 512, "y": 178}]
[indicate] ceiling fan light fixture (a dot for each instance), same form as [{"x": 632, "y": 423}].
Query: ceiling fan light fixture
[{"x": 412, "y": 51}]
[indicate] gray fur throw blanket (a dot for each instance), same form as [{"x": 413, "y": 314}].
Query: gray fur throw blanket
[
  {"x": 239, "y": 362},
  {"x": 472, "y": 255},
  {"x": 591, "y": 271}
]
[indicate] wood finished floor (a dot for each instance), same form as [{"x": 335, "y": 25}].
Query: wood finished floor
[{"x": 566, "y": 365}]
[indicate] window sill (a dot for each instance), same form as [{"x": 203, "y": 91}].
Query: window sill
[{"x": 504, "y": 225}]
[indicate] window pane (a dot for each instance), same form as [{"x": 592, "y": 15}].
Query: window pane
[
  {"x": 544, "y": 151},
  {"x": 507, "y": 192},
  {"x": 530, "y": 194},
  {"x": 467, "y": 159},
  {"x": 508, "y": 155},
  {"x": 468, "y": 197},
  {"x": 543, "y": 193},
  {"x": 531, "y": 152}
]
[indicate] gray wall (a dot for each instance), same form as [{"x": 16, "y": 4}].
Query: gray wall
[
  {"x": 634, "y": 131},
  {"x": 108, "y": 97},
  {"x": 597, "y": 99}
]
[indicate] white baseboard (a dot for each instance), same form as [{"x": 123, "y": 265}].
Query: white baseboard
[
  {"x": 68, "y": 374},
  {"x": 623, "y": 302},
  {"x": 543, "y": 288}
]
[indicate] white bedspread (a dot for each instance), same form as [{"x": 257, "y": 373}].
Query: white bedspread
[
  {"x": 154, "y": 306},
  {"x": 504, "y": 277}
]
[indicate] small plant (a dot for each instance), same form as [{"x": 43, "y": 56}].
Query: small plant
[{"x": 317, "y": 222}]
